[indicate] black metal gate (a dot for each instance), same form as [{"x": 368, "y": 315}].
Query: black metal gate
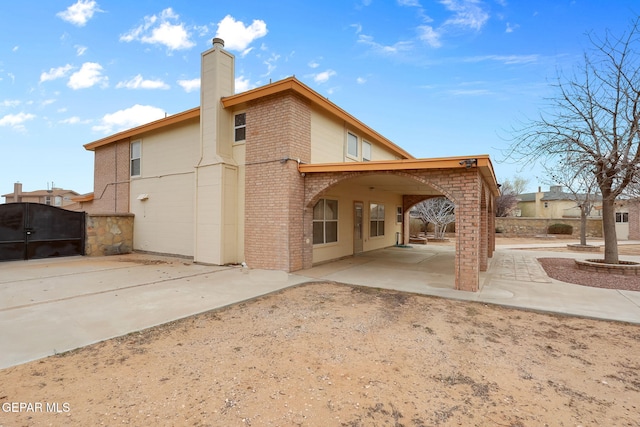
[{"x": 34, "y": 230}]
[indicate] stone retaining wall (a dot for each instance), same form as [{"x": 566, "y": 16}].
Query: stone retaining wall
[
  {"x": 109, "y": 234},
  {"x": 527, "y": 227}
]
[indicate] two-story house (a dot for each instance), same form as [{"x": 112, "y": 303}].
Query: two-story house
[
  {"x": 279, "y": 177},
  {"x": 55, "y": 196}
]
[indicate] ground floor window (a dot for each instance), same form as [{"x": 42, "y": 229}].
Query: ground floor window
[
  {"x": 376, "y": 220},
  {"x": 622, "y": 217},
  {"x": 325, "y": 221}
]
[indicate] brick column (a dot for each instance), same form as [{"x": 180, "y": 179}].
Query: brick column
[
  {"x": 468, "y": 228},
  {"x": 484, "y": 238},
  {"x": 278, "y": 133}
]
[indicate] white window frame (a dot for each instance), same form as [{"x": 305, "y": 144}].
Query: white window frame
[
  {"x": 622, "y": 217},
  {"x": 135, "y": 156},
  {"x": 237, "y": 126},
  {"x": 324, "y": 221},
  {"x": 349, "y": 145},
  {"x": 366, "y": 151},
  {"x": 57, "y": 201},
  {"x": 380, "y": 222}
]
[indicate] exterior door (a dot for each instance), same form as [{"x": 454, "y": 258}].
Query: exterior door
[
  {"x": 358, "y": 211},
  {"x": 34, "y": 230}
]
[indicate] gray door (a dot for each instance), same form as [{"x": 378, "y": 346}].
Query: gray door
[{"x": 358, "y": 210}]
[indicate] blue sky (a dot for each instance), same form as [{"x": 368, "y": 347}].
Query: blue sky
[{"x": 437, "y": 77}]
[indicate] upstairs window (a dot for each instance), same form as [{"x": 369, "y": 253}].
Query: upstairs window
[
  {"x": 240, "y": 127},
  {"x": 622, "y": 217},
  {"x": 135, "y": 158},
  {"x": 352, "y": 145},
  {"x": 366, "y": 151}
]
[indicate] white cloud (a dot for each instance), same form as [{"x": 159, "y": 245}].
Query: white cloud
[
  {"x": 469, "y": 92},
  {"x": 242, "y": 84},
  {"x": 15, "y": 48},
  {"x": 190, "y": 85},
  {"x": 139, "y": 83},
  {"x": 271, "y": 64},
  {"x": 55, "y": 73},
  {"x": 313, "y": 64},
  {"x": 47, "y": 102},
  {"x": 429, "y": 35},
  {"x": 80, "y": 12},
  {"x": 80, "y": 50},
  {"x": 323, "y": 76},
  {"x": 467, "y": 14},
  {"x": 71, "y": 120},
  {"x": 511, "y": 28},
  {"x": 16, "y": 121},
  {"x": 382, "y": 49},
  {"x": 237, "y": 36},
  {"x": 361, "y": 80},
  {"x": 90, "y": 74},
  {"x": 10, "y": 103},
  {"x": 505, "y": 59},
  {"x": 410, "y": 3},
  {"x": 128, "y": 118},
  {"x": 165, "y": 30}
]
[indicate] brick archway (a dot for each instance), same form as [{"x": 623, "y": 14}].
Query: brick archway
[{"x": 465, "y": 187}]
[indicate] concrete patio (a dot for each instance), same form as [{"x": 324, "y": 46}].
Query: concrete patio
[{"x": 54, "y": 305}]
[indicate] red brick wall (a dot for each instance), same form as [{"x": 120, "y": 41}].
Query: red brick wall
[
  {"x": 634, "y": 219},
  {"x": 111, "y": 179},
  {"x": 462, "y": 186},
  {"x": 278, "y": 128}
]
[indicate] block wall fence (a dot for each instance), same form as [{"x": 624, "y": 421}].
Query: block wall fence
[{"x": 109, "y": 234}]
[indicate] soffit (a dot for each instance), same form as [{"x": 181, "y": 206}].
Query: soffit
[{"x": 483, "y": 163}]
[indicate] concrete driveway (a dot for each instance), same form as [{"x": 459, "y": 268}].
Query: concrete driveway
[
  {"x": 54, "y": 305},
  {"x": 51, "y": 306}
]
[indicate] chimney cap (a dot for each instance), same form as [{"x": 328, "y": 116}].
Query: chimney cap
[{"x": 217, "y": 41}]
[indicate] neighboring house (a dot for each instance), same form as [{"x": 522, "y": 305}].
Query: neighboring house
[
  {"x": 627, "y": 212},
  {"x": 55, "y": 197},
  {"x": 281, "y": 178},
  {"x": 555, "y": 203}
]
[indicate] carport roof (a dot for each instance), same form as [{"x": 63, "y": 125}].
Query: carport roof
[{"x": 483, "y": 162}]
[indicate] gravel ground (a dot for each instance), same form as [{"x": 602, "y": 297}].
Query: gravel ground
[{"x": 565, "y": 270}]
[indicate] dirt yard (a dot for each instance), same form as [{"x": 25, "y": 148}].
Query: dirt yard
[{"x": 326, "y": 354}]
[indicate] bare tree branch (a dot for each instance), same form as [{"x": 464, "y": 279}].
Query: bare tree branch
[{"x": 594, "y": 120}]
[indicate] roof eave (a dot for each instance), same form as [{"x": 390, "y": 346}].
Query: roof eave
[
  {"x": 157, "y": 124},
  {"x": 293, "y": 84}
]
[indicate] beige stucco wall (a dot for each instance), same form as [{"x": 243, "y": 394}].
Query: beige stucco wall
[
  {"x": 554, "y": 209},
  {"x": 239, "y": 155},
  {"x": 164, "y": 220},
  {"x": 329, "y": 138},
  {"x": 346, "y": 195}
]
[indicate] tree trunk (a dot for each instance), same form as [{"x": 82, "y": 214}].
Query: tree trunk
[
  {"x": 583, "y": 225},
  {"x": 609, "y": 231}
]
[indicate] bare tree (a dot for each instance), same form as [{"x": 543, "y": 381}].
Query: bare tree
[
  {"x": 439, "y": 211},
  {"x": 595, "y": 120},
  {"x": 581, "y": 184},
  {"x": 507, "y": 201}
]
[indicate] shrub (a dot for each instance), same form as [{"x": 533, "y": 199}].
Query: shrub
[{"x": 560, "y": 229}]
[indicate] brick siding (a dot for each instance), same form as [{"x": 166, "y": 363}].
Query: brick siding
[{"x": 278, "y": 128}]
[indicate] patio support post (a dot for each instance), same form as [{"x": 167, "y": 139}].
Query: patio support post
[
  {"x": 468, "y": 230},
  {"x": 484, "y": 237}
]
